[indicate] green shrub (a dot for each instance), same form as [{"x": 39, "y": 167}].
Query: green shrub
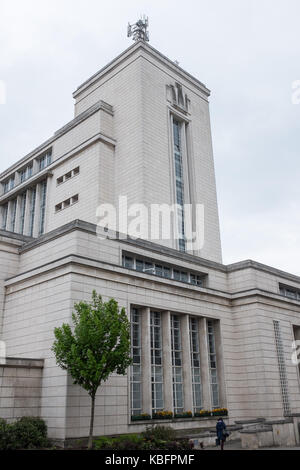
[
  {"x": 103, "y": 443},
  {"x": 122, "y": 442},
  {"x": 3, "y": 434},
  {"x": 159, "y": 433},
  {"x": 26, "y": 433}
]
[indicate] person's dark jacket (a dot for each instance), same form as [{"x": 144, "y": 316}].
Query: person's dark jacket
[{"x": 220, "y": 428}]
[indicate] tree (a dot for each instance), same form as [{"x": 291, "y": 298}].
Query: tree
[{"x": 98, "y": 346}]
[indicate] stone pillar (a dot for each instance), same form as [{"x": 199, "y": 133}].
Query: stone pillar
[
  {"x": 220, "y": 364},
  {"x": 146, "y": 362},
  {"x": 18, "y": 214},
  {"x": 167, "y": 361},
  {"x": 37, "y": 211},
  {"x": 27, "y": 212},
  {"x": 35, "y": 166},
  {"x": 186, "y": 363},
  {"x": 204, "y": 363},
  {"x": 10, "y": 216}
]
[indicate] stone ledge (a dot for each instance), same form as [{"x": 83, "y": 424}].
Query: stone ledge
[
  {"x": 15, "y": 362},
  {"x": 263, "y": 428},
  {"x": 280, "y": 421},
  {"x": 251, "y": 421}
]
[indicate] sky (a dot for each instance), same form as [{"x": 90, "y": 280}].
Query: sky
[{"x": 247, "y": 52}]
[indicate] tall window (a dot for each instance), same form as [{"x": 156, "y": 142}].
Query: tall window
[
  {"x": 26, "y": 173},
  {"x": 13, "y": 215},
  {"x": 156, "y": 362},
  {"x": 43, "y": 206},
  {"x": 136, "y": 368},
  {"x": 213, "y": 364},
  {"x": 195, "y": 364},
  {"x": 179, "y": 181},
  {"x": 9, "y": 184},
  {"x": 176, "y": 364},
  {"x": 32, "y": 211},
  {"x": 45, "y": 160},
  {"x": 282, "y": 369},
  {"x": 22, "y": 212},
  {"x": 4, "y": 216}
]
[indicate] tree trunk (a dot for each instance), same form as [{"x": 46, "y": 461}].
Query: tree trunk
[{"x": 90, "y": 444}]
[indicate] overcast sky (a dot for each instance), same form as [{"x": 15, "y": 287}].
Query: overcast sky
[{"x": 246, "y": 51}]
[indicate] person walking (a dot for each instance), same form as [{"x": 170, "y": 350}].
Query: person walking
[{"x": 221, "y": 435}]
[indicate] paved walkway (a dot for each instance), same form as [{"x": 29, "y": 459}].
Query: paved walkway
[{"x": 236, "y": 445}]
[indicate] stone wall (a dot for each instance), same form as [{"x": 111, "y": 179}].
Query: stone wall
[{"x": 20, "y": 388}]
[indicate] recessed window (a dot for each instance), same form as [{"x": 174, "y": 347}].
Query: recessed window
[
  {"x": 289, "y": 292},
  {"x": 9, "y": 184},
  {"x": 45, "y": 160},
  {"x": 160, "y": 270},
  {"x": 67, "y": 203},
  {"x": 25, "y": 173},
  {"x": 68, "y": 176}
]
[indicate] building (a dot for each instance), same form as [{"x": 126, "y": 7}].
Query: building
[{"x": 205, "y": 335}]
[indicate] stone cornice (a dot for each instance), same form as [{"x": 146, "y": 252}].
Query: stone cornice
[
  {"x": 100, "y": 105},
  {"x": 160, "y": 250},
  {"x": 141, "y": 45}
]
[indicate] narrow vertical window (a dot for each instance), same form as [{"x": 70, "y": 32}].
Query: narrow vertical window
[
  {"x": 22, "y": 212},
  {"x": 156, "y": 362},
  {"x": 13, "y": 215},
  {"x": 136, "y": 367},
  {"x": 43, "y": 206},
  {"x": 179, "y": 183},
  {"x": 32, "y": 211},
  {"x": 282, "y": 369},
  {"x": 213, "y": 364},
  {"x": 195, "y": 364},
  {"x": 4, "y": 216},
  {"x": 176, "y": 364}
]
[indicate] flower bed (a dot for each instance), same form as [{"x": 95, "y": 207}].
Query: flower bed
[
  {"x": 185, "y": 414},
  {"x": 162, "y": 415},
  {"x": 219, "y": 412}
]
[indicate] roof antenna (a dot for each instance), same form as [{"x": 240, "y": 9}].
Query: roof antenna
[{"x": 139, "y": 30}]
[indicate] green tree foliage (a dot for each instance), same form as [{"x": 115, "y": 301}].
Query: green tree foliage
[{"x": 98, "y": 346}]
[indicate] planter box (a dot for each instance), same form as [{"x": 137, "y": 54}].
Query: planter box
[
  {"x": 140, "y": 418},
  {"x": 183, "y": 416},
  {"x": 162, "y": 417}
]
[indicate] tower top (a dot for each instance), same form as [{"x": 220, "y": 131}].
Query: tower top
[{"x": 139, "y": 30}]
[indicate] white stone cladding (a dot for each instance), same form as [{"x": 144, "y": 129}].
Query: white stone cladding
[
  {"x": 120, "y": 143},
  {"x": 64, "y": 266}
]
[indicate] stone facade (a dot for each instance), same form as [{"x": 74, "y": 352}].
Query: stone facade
[{"x": 230, "y": 327}]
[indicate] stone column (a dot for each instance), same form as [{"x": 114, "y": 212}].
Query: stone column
[
  {"x": 186, "y": 363},
  {"x": 27, "y": 212},
  {"x": 167, "y": 361},
  {"x": 18, "y": 214},
  {"x": 220, "y": 364},
  {"x": 204, "y": 363},
  {"x": 146, "y": 362},
  {"x": 35, "y": 166},
  {"x": 10, "y": 216},
  {"x": 37, "y": 212}
]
